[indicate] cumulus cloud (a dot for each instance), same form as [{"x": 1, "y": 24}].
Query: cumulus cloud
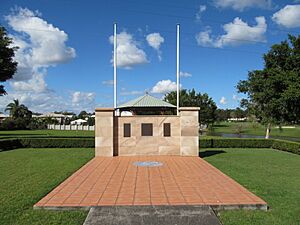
[
  {"x": 46, "y": 42},
  {"x": 240, "y": 5},
  {"x": 164, "y": 86},
  {"x": 223, "y": 101},
  {"x": 86, "y": 98},
  {"x": 41, "y": 45},
  {"x": 129, "y": 53},
  {"x": 184, "y": 74},
  {"x": 201, "y": 9},
  {"x": 288, "y": 17},
  {"x": 155, "y": 40},
  {"x": 236, "y": 33},
  {"x": 51, "y": 101}
]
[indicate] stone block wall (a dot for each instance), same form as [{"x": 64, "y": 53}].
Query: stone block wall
[
  {"x": 189, "y": 137},
  {"x": 104, "y": 132},
  {"x": 110, "y": 138}
]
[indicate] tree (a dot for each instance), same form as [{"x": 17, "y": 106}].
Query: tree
[
  {"x": 17, "y": 110},
  {"x": 273, "y": 93},
  {"x": 82, "y": 115},
  {"x": 8, "y": 66},
  {"x": 191, "y": 98}
]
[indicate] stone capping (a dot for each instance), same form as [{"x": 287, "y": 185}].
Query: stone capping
[
  {"x": 104, "y": 109},
  {"x": 189, "y": 108}
]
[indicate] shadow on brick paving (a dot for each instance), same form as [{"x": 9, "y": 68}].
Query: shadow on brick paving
[{"x": 152, "y": 215}]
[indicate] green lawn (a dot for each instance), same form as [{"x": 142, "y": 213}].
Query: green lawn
[
  {"x": 255, "y": 129},
  {"x": 273, "y": 175},
  {"x": 44, "y": 133},
  {"x": 29, "y": 174}
]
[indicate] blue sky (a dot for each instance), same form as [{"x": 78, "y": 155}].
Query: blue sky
[{"x": 65, "y": 54}]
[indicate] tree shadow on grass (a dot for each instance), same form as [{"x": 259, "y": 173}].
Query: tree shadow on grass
[{"x": 209, "y": 153}]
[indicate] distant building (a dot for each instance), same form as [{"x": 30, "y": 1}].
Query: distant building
[
  {"x": 78, "y": 122},
  {"x": 59, "y": 117},
  {"x": 3, "y": 117}
]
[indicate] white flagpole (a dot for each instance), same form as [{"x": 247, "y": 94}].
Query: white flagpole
[
  {"x": 177, "y": 69},
  {"x": 115, "y": 66}
]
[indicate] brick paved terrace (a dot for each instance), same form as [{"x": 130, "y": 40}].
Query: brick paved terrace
[{"x": 109, "y": 181}]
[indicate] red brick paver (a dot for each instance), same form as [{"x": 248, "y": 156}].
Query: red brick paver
[{"x": 107, "y": 181}]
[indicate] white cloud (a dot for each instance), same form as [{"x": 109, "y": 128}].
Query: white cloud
[
  {"x": 41, "y": 45},
  {"x": 201, "y": 9},
  {"x": 46, "y": 42},
  {"x": 155, "y": 40},
  {"x": 164, "y": 86},
  {"x": 237, "y": 32},
  {"x": 51, "y": 101},
  {"x": 128, "y": 52},
  {"x": 289, "y": 16},
  {"x": 108, "y": 82},
  {"x": 83, "y": 100},
  {"x": 223, "y": 101},
  {"x": 235, "y": 97},
  {"x": 38, "y": 102},
  {"x": 240, "y": 5},
  {"x": 185, "y": 74},
  {"x": 36, "y": 84}
]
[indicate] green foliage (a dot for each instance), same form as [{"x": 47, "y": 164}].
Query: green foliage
[
  {"x": 91, "y": 121},
  {"x": 255, "y": 128},
  {"x": 58, "y": 142},
  {"x": 17, "y": 110},
  {"x": 191, "y": 98},
  {"x": 287, "y": 146},
  {"x": 282, "y": 145},
  {"x": 274, "y": 92},
  {"x": 235, "y": 143},
  {"x": 15, "y": 124},
  {"x": 238, "y": 128},
  {"x": 8, "y": 66},
  {"x": 7, "y": 144}
]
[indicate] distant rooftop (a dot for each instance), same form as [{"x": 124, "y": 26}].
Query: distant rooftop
[{"x": 146, "y": 101}]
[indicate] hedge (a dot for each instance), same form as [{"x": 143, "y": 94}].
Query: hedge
[
  {"x": 288, "y": 146},
  {"x": 282, "y": 145},
  {"x": 72, "y": 142},
  {"x": 46, "y": 142},
  {"x": 8, "y": 144},
  {"x": 235, "y": 143}
]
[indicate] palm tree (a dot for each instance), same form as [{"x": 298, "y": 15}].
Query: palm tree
[{"x": 17, "y": 110}]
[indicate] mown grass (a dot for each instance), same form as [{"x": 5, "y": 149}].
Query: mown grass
[
  {"x": 273, "y": 175},
  {"x": 255, "y": 129},
  {"x": 26, "y": 175},
  {"x": 45, "y": 133}
]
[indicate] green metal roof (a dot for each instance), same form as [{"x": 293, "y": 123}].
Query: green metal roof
[{"x": 146, "y": 101}]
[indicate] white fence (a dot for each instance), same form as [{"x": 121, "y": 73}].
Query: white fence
[{"x": 70, "y": 127}]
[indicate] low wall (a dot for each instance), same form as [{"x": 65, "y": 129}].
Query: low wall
[
  {"x": 111, "y": 140},
  {"x": 157, "y": 144}
]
